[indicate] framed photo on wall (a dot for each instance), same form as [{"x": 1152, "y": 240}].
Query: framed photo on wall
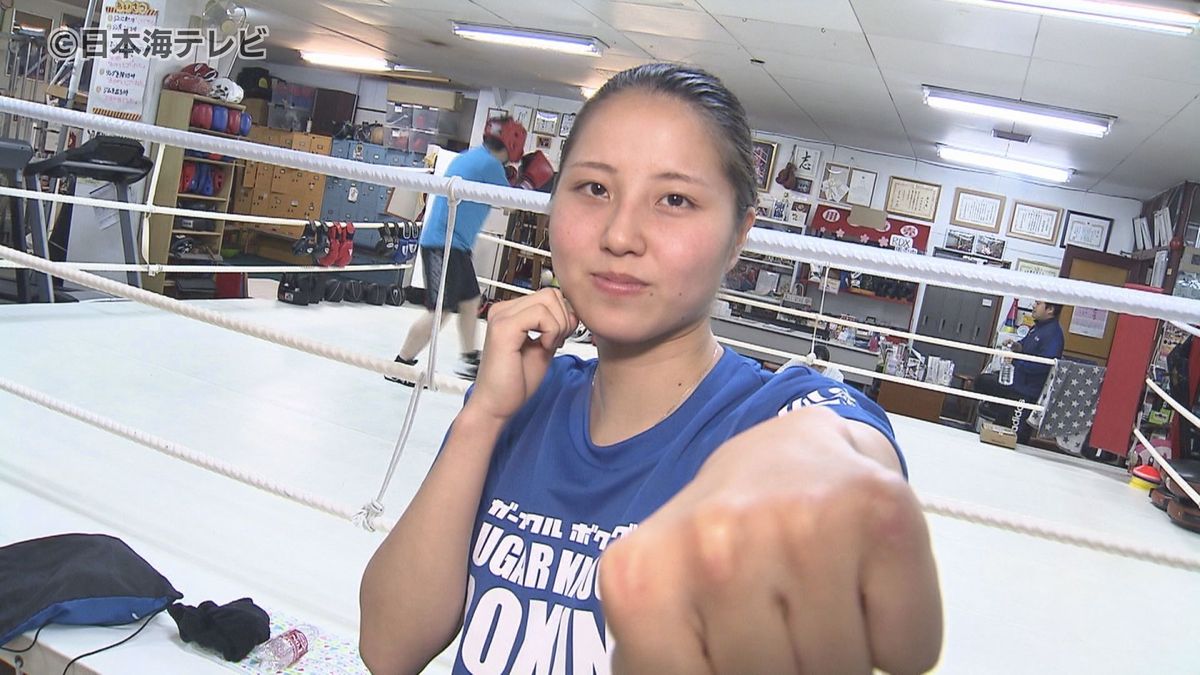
[
  {"x": 493, "y": 113},
  {"x": 1035, "y": 267},
  {"x": 523, "y": 114},
  {"x": 764, "y": 163},
  {"x": 977, "y": 210},
  {"x": 912, "y": 198},
  {"x": 545, "y": 122},
  {"x": 989, "y": 247},
  {"x": 568, "y": 123},
  {"x": 1035, "y": 222},
  {"x": 963, "y": 242},
  {"x": 1086, "y": 230},
  {"x": 835, "y": 185}
]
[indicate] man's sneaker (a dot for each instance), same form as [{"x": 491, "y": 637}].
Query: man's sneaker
[
  {"x": 396, "y": 379},
  {"x": 468, "y": 366}
]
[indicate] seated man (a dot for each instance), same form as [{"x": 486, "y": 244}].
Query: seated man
[{"x": 1044, "y": 339}]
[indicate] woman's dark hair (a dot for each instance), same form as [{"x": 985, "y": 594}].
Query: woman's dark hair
[{"x": 708, "y": 96}]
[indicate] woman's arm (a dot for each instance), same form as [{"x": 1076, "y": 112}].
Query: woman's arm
[
  {"x": 413, "y": 590},
  {"x": 793, "y": 550}
]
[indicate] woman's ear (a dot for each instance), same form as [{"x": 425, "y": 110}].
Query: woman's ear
[{"x": 739, "y": 242}]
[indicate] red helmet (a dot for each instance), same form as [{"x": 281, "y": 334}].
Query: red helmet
[{"x": 509, "y": 132}]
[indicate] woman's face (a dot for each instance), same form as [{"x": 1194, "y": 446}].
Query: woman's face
[{"x": 642, "y": 225}]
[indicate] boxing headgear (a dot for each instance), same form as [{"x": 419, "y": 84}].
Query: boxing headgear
[
  {"x": 200, "y": 70},
  {"x": 226, "y": 90},
  {"x": 510, "y": 133},
  {"x": 187, "y": 83}
]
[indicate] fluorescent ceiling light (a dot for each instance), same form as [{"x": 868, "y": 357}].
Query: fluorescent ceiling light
[
  {"x": 1035, "y": 114},
  {"x": 533, "y": 39},
  {"x": 587, "y": 92},
  {"x": 997, "y": 163},
  {"x": 371, "y": 63},
  {"x": 1128, "y": 15}
]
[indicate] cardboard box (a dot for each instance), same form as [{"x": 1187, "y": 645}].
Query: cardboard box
[
  {"x": 320, "y": 145},
  {"x": 258, "y": 109},
  {"x": 998, "y": 435}
]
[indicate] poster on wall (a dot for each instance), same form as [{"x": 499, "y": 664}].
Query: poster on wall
[
  {"x": 1088, "y": 322},
  {"x": 901, "y": 235},
  {"x": 764, "y": 163},
  {"x": 119, "y": 80}
]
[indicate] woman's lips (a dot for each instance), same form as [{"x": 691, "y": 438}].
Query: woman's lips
[{"x": 618, "y": 284}]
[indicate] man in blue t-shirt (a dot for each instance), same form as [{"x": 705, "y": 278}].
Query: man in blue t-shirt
[
  {"x": 1044, "y": 339},
  {"x": 503, "y": 142}
]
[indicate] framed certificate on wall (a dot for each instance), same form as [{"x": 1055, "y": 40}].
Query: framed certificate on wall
[
  {"x": 912, "y": 198},
  {"x": 1086, "y": 230},
  {"x": 977, "y": 210},
  {"x": 1035, "y": 222}
]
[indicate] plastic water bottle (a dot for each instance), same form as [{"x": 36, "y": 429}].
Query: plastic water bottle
[
  {"x": 284, "y": 649},
  {"x": 1006, "y": 368},
  {"x": 1006, "y": 373}
]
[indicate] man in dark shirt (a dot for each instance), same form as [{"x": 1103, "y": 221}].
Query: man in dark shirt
[{"x": 1044, "y": 339}]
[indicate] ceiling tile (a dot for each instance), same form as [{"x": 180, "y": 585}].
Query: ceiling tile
[
  {"x": 1116, "y": 50},
  {"x": 942, "y": 22},
  {"x": 799, "y": 41},
  {"x": 830, "y": 14},
  {"x": 1104, "y": 91},
  {"x": 682, "y": 50},
  {"x": 671, "y": 22},
  {"x": 951, "y": 66}
]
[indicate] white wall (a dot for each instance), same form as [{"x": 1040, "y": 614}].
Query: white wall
[{"x": 1121, "y": 210}]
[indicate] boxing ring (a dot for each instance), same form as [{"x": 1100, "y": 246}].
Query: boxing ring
[{"x": 315, "y": 432}]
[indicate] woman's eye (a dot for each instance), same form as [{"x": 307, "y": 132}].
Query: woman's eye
[
  {"x": 677, "y": 201},
  {"x": 595, "y": 189}
]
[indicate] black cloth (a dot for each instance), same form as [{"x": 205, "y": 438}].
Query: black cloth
[
  {"x": 989, "y": 383},
  {"x": 77, "y": 579},
  {"x": 233, "y": 629},
  {"x": 461, "y": 284}
]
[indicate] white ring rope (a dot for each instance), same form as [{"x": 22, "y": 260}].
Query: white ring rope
[
  {"x": 391, "y": 176},
  {"x": 153, "y": 269},
  {"x": 1183, "y": 484},
  {"x": 979, "y": 278},
  {"x": 1190, "y": 330},
  {"x": 885, "y": 331},
  {"x": 729, "y": 297},
  {"x": 981, "y": 515},
  {"x": 512, "y": 244},
  {"x": 971, "y": 513},
  {"x": 179, "y": 451},
  {"x": 909, "y": 267},
  {"x": 883, "y": 376},
  {"x": 1179, "y": 407},
  {"x": 376, "y": 365},
  {"x": 154, "y": 209}
]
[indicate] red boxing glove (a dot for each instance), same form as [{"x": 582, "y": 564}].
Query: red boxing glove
[
  {"x": 335, "y": 245},
  {"x": 346, "y": 252}
]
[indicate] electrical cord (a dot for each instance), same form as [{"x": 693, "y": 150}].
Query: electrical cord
[{"x": 113, "y": 645}]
